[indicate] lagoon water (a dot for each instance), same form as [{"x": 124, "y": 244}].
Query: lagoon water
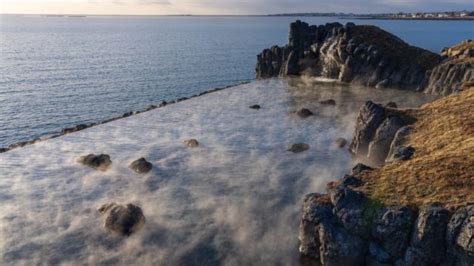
[
  {"x": 235, "y": 200},
  {"x": 61, "y": 71}
]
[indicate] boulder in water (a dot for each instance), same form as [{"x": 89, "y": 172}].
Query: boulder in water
[
  {"x": 340, "y": 142},
  {"x": 100, "y": 162},
  {"x": 299, "y": 147},
  {"x": 255, "y": 107},
  {"x": 328, "y": 102},
  {"x": 141, "y": 166},
  {"x": 191, "y": 143},
  {"x": 122, "y": 219},
  {"x": 304, "y": 113}
]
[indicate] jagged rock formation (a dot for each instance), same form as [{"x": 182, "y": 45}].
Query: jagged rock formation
[
  {"x": 347, "y": 228},
  {"x": 379, "y": 133},
  {"x": 455, "y": 72},
  {"x": 366, "y": 55},
  {"x": 360, "y": 54}
]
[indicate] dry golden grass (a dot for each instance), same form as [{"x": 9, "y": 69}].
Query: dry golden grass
[{"x": 442, "y": 169}]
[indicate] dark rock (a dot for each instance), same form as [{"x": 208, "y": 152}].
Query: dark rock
[
  {"x": 151, "y": 107},
  {"x": 255, "y": 106},
  {"x": 127, "y": 114},
  {"x": 398, "y": 141},
  {"x": 391, "y": 105},
  {"x": 100, "y": 162},
  {"x": 391, "y": 229},
  {"x": 338, "y": 247},
  {"x": 4, "y": 150},
  {"x": 191, "y": 143},
  {"x": 122, "y": 219},
  {"x": 460, "y": 237},
  {"x": 359, "y": 168},
  {"x": 141, "y": 166},
  {"x": 299, "y": 147},
  {"x": 370, "y": 117},
  {"x": 340, "y": 142},
  {"x": 350, "y": 180},
  {"x": 74, "y": 128},
  {"x": 317, "y": 209},
  {"x": 304, "y": 113},
  {"x": 328, "y": 102},
  {"x": 403, "y": 153},
  {"x": 379, "y": 147},
  {"x": 377, "y": 255},
  {"x": 427, "y": 245}
]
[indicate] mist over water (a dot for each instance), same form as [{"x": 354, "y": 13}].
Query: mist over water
[
  {"x": 56, "y": 72},
  {"x": 235, "y": 200}
]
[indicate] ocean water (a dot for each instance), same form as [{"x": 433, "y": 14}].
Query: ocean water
[
  {"x": 235, "y": 200},
  {"x": 60, "y": 71}
]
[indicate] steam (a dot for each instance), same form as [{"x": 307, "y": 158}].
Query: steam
[{"x": 233, "y": 200}]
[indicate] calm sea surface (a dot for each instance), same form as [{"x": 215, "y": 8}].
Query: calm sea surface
[{"x": 60, "y": 71}]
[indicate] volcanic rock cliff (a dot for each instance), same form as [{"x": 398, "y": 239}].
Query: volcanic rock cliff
[
  {"x": 417, "y": 208},
  {"x": 361, "y": 54}
]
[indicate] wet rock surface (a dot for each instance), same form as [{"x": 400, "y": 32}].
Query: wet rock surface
[
  {"x": 141, "y": 166},
  {"x": 122, "y": 219},
  {"x": 298, "y": 147},
  {"x": 191, "y": 143},
  {"x": 99, "y": 162}
]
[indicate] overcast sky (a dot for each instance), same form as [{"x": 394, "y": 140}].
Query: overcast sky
[{"x": 237, "y": 7}]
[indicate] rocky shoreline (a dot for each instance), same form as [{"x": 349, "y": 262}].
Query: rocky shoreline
[
  {"x": 366, "y": 55},
  {"x": 350, "y": 225},
  {"x": 79, "y": 127}
]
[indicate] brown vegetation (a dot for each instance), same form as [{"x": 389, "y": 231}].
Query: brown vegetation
[{"x": 442, "y": 169}]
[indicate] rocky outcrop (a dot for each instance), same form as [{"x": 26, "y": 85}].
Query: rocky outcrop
[
  {"x": 122, "y": 219},
  {"x": 455, "y": 72},
  {"x": 364, "y": 55},
  {"x": 347, "y": 228},
  {"x": 379, "y": 134},
  {"x": 369, "y": 56}
]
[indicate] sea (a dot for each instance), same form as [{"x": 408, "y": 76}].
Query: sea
[{"x": 56, "y": 72}]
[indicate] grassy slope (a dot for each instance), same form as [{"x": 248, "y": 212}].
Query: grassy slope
[{"x": 442, "y": 169}]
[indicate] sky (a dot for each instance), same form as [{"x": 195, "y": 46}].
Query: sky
[{"x": 228, "y": 7}]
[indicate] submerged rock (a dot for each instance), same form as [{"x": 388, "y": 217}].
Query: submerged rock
[
  {"x": 304, "y": 113},
  {"x": 340, "y": 142},
  {"x": 141, "y": 166},
  {"x": 191, "y": 143},
  {"x": 122, "y": 219},
  {"x": 100, "y": 162},
  {"x": 255, "y": 107},
  {"x": 299, "y": 147},
  {"x": 328, "y": 102}
]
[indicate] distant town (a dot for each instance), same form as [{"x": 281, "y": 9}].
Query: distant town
[{"x": 446, "y": 15}]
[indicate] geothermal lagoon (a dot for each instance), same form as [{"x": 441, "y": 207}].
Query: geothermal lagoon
[{"x": 233, "y": 200}]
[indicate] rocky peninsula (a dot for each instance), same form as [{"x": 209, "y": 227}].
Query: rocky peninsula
[
  {"x": 410, "y": 199},
  {"x": 366, "y": 55}
]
